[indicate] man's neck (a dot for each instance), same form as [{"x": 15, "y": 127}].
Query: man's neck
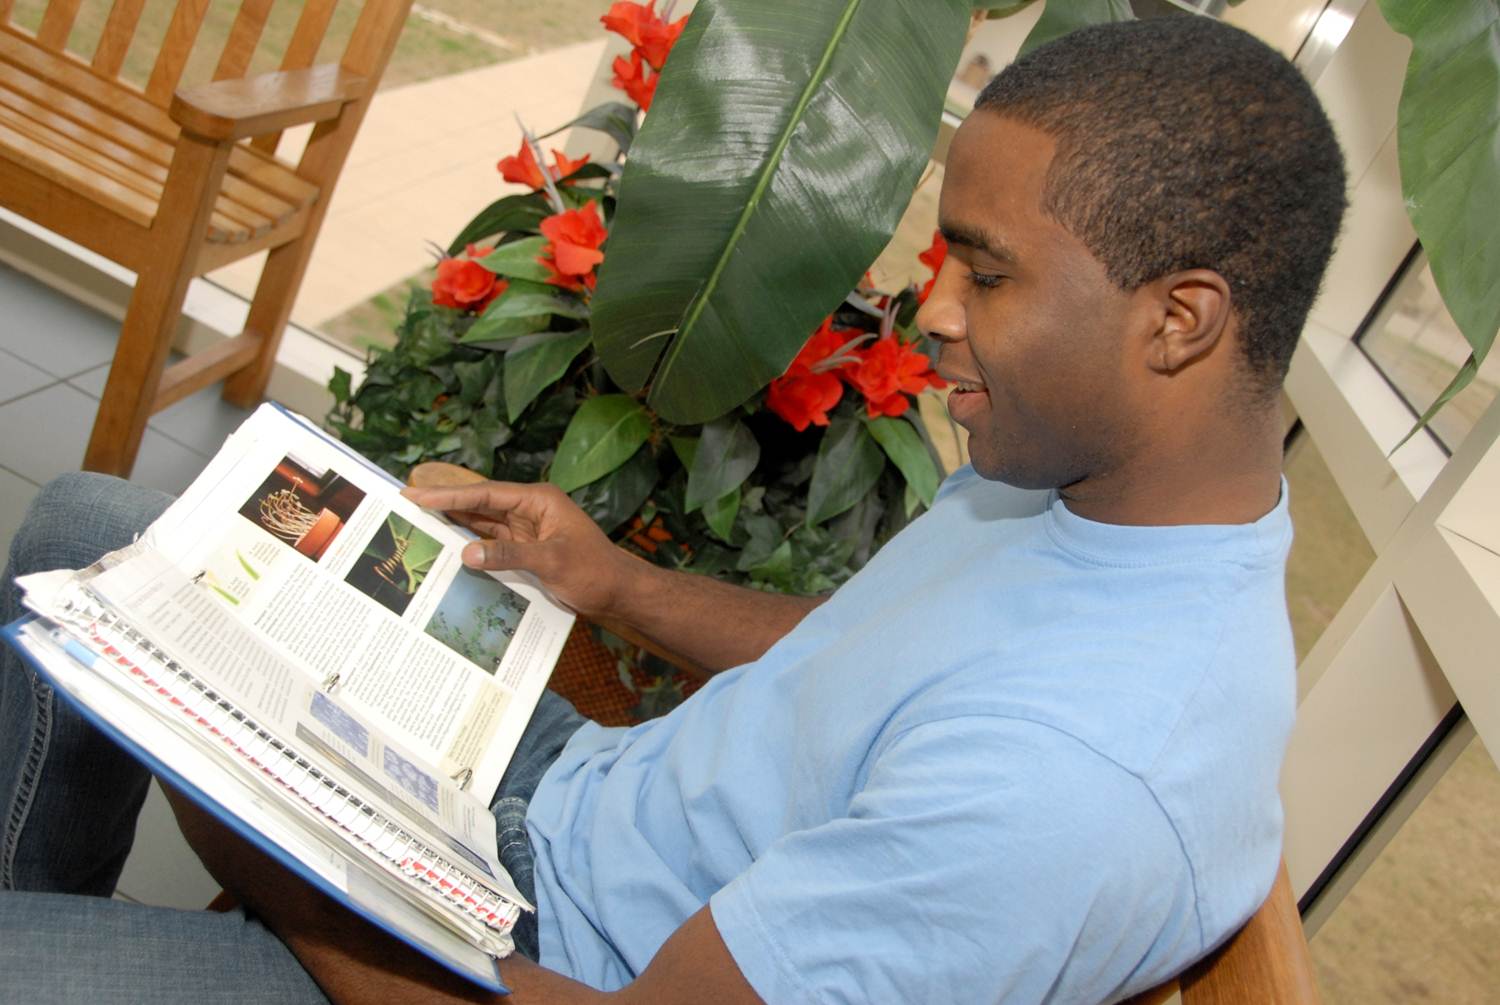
[{"x": 1194, "y": 476}]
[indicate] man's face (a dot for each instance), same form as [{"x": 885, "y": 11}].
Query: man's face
[{"x": 1034, "y": 334}]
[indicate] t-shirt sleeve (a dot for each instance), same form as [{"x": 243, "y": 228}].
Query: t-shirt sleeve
[{"x": 984, "y": 859}]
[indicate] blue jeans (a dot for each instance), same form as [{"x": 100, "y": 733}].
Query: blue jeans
[{"x": 70, "y": 798}]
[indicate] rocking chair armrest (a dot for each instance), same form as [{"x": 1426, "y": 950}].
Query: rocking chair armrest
[{"x": 266, "y": 102}]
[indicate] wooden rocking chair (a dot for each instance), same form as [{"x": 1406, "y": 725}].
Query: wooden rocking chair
[{"x": 175, "y": 182}]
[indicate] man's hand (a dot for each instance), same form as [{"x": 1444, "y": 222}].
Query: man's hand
[{"x": 538, "y": 529}]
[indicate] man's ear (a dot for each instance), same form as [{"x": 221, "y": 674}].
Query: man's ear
[{"x": 1195, "y": 308}]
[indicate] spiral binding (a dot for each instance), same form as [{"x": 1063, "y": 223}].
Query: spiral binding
[{"x": 403, "y": 851}]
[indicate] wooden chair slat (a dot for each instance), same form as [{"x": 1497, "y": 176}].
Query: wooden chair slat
[
  {"x": 5, "y": 6},
  {"x": 107, "y": 180},
  {"x": 374, "y": 35},
  {"x": 176, "y": 47},
  {"x": 244, "y": 36},
  {"x": 44, "y": 161},
  {"x": 267, "y": 200},
  {"x": 270, "y": 176},
  {"x": 75, "y": 78},
  {"x": 114, "y": 41},
  {"x": 301, "y": 50},
  {"x": 307, "y": 37},
  {"x": 57, "y": 24}
]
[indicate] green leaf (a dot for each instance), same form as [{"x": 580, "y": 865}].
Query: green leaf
[
  {"x": 1060, "y": 18},
  {"x": 613, "y": 118},
  {"x": 727, "y": 452},
  {"x": 604, "y": 432},
  {"x": 338, "y": 385},
  {"x": 686, "y": 448},
  {"x": 616, "y": 497},
  {"x": 721, "y": 512},
  {"x": 474, "y": 379},
  {"x": 535, "y": 362},
  {"x": 487, "y": 330},
  {"x": 524, "y": 299},
  {"x": 767, "y": 117},
  {"x": 1447, "y": 134},
  {"x": 518, "y": 259},
  {"x": 514, "y": 212},
  {"x": 906, "y": 450},
  {"x": 478, "y": 439},
  {"x": 1003, "y": 8},
  {"x": 849, "y": 464}
]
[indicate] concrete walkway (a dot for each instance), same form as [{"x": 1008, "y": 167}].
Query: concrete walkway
[{"x": 422, "y": 166}]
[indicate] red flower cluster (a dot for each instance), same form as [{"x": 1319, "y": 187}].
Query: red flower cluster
[
  {"x": 523, "y": 168},
  {"x": 651, "y": 38},
  {"x": 885, "y": 373},
  {"x": 933, "y": 258},
  {"x": 464, "y": 284},
  {"x": 572, "y": 248},
  {"x": 803, "y": 396}
]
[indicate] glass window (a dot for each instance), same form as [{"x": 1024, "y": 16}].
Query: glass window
[{"x": 1414, "y": 342}]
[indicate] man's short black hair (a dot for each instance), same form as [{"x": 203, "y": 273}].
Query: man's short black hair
[{"x": 1186, "y": 143}]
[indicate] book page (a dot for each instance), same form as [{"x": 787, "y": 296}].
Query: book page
[
  {"x": 265, "y": 822},
  {"x": 184, "y": 622},
  {"x": 317, "y": 553}
]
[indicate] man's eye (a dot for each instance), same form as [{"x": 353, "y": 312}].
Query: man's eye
[{"x": 984, "y": 280}]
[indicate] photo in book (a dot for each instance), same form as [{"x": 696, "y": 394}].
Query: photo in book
[{"x": 303, "y": 505}]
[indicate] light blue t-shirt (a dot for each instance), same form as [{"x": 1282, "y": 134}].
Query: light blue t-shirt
[{"x": 1021, "y": 756}]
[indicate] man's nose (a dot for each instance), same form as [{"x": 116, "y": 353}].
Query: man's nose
[{"x": 941, "y": 316}]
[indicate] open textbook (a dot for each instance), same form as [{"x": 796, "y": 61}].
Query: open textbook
[{"x": 300, "y": 649}]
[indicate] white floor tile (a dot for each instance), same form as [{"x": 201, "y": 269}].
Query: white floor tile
[
  {"x": 200, "y": 422},
  {"x": 18, "y": 377},
  {"x": 51, "y": 428},
  {"x": 49, "y": 331}
]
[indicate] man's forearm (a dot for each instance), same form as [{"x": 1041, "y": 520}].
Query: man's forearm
[{"x": 716, "y": 625}]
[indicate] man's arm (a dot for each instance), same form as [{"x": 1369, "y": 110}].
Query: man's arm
[
  {"x": 353, "y": 961},
  {"x": 538, "y": 529}
]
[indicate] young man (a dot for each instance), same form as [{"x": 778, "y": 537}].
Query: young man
[{"x": 1042, "y": 767}]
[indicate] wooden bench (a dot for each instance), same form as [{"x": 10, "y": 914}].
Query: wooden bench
[{"x": 172, "y": 181}]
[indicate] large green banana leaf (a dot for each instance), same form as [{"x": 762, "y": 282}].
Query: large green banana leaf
[
  {"x": 1448, "y": 142},
  {"x": 783, "y": 143}
]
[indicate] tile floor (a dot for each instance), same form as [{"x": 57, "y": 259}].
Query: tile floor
[{"x": 54, "y": 358}]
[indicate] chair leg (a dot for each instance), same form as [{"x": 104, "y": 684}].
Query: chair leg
[
  {"x": 270, "y": 310},
  {"x": 141, "y": 355},
  {"x": 161, "y": 286}
]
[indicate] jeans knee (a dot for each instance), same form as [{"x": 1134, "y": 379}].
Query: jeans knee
[{"x": 79, "y": 516}]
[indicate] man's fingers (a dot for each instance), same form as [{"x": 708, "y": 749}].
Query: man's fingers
[
  {"x": 485, "y": 527},
  {"x": 499, "y": 554},
  {"x": 501, "y": 497}
]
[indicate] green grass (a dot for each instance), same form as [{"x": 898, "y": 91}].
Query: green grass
[{"x": 425, "y": 50}]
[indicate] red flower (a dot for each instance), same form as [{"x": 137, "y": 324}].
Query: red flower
[
  {"x": 632, "y": 77},
  {"x": 464, "y": 284},
  {"x": 523, "y": 168},
  {"x": 572, "y": 248},
  {"x": 887, "y": 372},
  {"x": 803, "y": 396},
  {"x": 650, "y": 35},
  {"x": 933, "y": 258}
]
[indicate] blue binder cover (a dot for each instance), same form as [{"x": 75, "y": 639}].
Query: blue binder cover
[{"x": 169, "y": 775}]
